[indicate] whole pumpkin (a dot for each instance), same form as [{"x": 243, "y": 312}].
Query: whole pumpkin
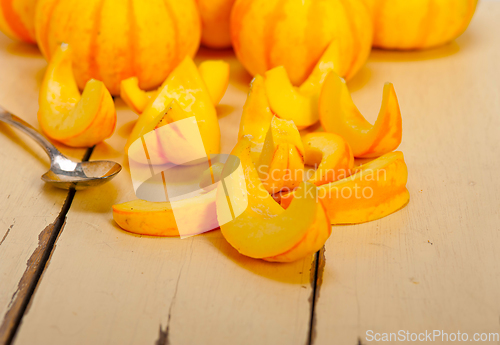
[
  {"x": 215, "y": 15},
  {"x": 113, "y": 40},
  {"x": 295, "y": 33},
  {"x": 419, "y": 24},
  {"x": 17, "y": 19}
]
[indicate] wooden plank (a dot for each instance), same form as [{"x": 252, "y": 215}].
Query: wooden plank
[
  {"x": 28, "y": 208},
  {"x": 106, "y": 286},
  {"x": 433, "y": 265}
]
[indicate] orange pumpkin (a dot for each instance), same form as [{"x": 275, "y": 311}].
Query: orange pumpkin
[
  {"x": 113, "y": 40},
  {"x": 215, "y": 15},
  {"x": 295, "y": 33},
  {"x": 17, "y": 19},
  {"x": 419, "y": 24}
]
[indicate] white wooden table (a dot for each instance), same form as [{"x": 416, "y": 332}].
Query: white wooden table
[{"x": 432, "y": 266}]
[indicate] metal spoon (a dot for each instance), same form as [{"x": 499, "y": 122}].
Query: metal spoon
[{"x": 65, "y": 173}]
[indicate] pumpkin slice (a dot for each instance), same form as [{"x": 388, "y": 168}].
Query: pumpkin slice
[
  {"x": 376, "y": 190},
  {"x": 186, "y": 87},
  {"x": 256, "y": 117},
  {"x": 214, "y": 73},
  {"x": 264, "y": 230},
  {"x": 340, "y": 115},
  {"x": 330, "y": 154},
  {"x": 172, "y": 137},
  {"x": 158, "y": 218},
  {"x": 281, "y": 163},
  {"x": 133, "y": 96},
  {"x": 300, "y": 104},
  {"x": 65, "y": 115}
]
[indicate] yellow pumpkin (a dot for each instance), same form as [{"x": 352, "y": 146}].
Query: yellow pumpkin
[
  {"x": 215, "y": 15},
  {"x": 17, "y": 19},
  {"x": 419, "y": 24},
  {"x": 113, "y": 40},
  {"x": 295, "y": 33}
]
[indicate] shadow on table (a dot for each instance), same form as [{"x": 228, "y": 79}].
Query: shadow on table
[
  {"x": 381, "y": 55},
  {"x": 360, "y": 79},
  {"x": 224, "y": 110},
  {"x": 290, "y": 273},
  {"x": 23, "y": 49},
  {"x": 92, "y": 200}
]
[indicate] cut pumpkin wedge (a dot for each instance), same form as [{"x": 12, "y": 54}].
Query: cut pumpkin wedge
[
  {"x": 133, "y": 96},
  {"x": 300, "y": 104},
  {"x": 185, "y": 86},
  {"x": 331, "y": 154},
  {"x": 281, "y": 163},
  {"x": 69, "y": 117},
  {"x": 264, "y": 230},
  {"x": 339, "y": 115},
  {"x": 375, "y": 190},
  {"x": 214, "y": 73},
  {"x": 158, "y": 218},
  {"x": 256, "y": 117}
]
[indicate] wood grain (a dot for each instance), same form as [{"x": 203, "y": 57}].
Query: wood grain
[
  {"x": 28, "y": 208},
  {"x": 434, "y": 264},
  {"x": 106, "y": 286}
]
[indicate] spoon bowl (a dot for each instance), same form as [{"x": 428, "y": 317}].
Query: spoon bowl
[
  {"x": 94, "y": 174},
  {"x": 65, "y": 173}
]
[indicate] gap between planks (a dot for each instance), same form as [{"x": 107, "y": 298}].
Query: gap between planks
[
  {"x": 38, "y": 261},
  {"x": 317, "y": 269},
  {"x": 35, "y": 267}
]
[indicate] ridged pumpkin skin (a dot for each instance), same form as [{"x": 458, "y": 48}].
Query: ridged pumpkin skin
[
  {"x": 17, "y": 19},
  {"x": 215, "y": 15},
  {"x": 113, "y": 40},
  {"x": 295, "y": 33},
  {"x": 419, "y": 24}
]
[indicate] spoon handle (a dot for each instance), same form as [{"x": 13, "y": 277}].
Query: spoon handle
[{"x": 28, "y": 129}]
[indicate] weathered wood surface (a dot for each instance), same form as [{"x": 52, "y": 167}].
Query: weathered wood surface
[
  {"x": 432, "y": 265},
  {"x": 435, "y": 264},
  {"x": 106, "y": 286},
  {"x": 28, "y": 209}
]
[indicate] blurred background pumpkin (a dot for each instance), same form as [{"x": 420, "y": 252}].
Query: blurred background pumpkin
[
  {"x": 17, "y": 19},
  {"x": 113, "y": 40},
  {"x": 419, "y": 24},
  {"x": 295, "y": 33},
  {"x": 215, "y": 15}
]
